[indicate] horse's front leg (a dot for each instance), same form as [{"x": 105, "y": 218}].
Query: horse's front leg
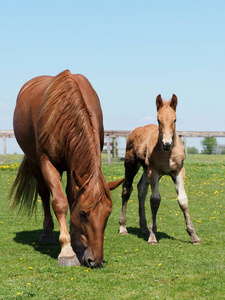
[
  {"x": 183, "y": 202},
  {"x": 155, "y": 200},
  {"x": 67, "y": 257},
  {"x": 142, "y": 193}
]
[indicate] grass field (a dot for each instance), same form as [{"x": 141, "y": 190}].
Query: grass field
[{"x": 174, "y": 269}]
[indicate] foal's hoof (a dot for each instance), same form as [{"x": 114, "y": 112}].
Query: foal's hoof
[
  {"x": 196, "y": 242},
  {"x": 152, "y": 242},
  {"x": 69, "y": 261},
  {"x": 123, "y": 232}
]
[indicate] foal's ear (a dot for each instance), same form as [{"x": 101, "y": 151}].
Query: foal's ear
[
  {"x": 159, "y": 102},
  {"x": 114, "y": 184},
  {"x": 173, "y": 102}
]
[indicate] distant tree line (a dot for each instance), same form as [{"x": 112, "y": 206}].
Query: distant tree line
[{"x": 210, "y": 146}]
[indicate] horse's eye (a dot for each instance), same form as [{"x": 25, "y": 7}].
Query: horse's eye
[
  {"x": 83, "y": 215},
  {"x": 175, "y": 120}
]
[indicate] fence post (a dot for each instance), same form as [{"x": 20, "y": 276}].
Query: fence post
[
  {"x": 185, "y": 147},
  {"x": 114, "y": 148},
  {"x": 108, "y": 150},
  {"x": 4, "y": 148}
]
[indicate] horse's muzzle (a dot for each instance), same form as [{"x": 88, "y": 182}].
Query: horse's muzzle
[{"x": 89, "y": 261}]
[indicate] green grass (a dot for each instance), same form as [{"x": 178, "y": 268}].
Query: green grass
[{"x": 174, "y": 269}]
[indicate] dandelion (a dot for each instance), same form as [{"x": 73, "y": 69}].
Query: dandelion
[
  {"x": 18, "y": 294},
  {"x": 30, "y": 268},
  {"x": 159, "y": 265},
  {"x": 28, "y": 283},
  {"x": 72, "y": 278}
]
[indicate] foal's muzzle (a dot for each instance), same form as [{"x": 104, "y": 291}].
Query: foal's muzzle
[{"x": 167, "y": 146}]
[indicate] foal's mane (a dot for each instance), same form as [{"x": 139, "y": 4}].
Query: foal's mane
[{"x": 75, "y": 134}]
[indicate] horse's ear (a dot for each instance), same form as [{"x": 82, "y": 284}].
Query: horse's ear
[
  {"x": 173, "y": 102},
  {"x": 114, "y": 184},
  {"x": 159, "y": 102},
  {"x": 78, "y": 180}
]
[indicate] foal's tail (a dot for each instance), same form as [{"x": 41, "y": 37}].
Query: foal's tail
[{"x": 25, "y": 188}]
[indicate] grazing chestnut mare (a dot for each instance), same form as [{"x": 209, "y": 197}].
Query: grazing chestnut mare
[
  {"x": 159, "y": 151},
  {"x": 58, "y": 124}
]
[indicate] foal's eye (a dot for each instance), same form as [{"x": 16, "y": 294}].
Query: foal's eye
[
  {"x": 83, "y": 215},
  {"x": 175, "y": 120}
]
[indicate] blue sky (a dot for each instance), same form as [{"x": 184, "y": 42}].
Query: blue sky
[{"x": 131, "y": 51}]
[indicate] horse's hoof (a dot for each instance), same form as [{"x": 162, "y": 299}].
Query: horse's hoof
[{"x": 69, "y": 261}]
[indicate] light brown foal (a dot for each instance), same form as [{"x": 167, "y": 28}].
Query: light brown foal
[{"x": 159, "y": 151}]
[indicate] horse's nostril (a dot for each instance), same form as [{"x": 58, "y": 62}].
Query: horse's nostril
[
  {"x": 90, "y": 262},
  {"x": 93, "y": 264}
]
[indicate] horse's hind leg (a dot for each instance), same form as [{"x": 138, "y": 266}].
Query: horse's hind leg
[
  {"x": 155, "y": 200},
  {"x": 47, "y": 235},
  {"x": 183, "y": 202},
  {"x": 131, "y": 169},
  {"x": 143, "y": 185}
]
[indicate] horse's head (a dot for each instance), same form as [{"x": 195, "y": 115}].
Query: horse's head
[
  {"x": 166, "y": 120},
  {"x": 89, "y": 216}
]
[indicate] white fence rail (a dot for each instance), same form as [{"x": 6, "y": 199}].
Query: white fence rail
[{"x": 113, "y": 134}]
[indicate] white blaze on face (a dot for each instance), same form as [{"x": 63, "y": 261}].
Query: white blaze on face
[{"x": 166, "y": 119}]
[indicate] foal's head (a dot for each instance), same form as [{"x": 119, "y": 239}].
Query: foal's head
[{"x": 167, "y": 120}]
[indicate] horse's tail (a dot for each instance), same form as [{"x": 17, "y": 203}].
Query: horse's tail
[{"x": 25, "y": 188}]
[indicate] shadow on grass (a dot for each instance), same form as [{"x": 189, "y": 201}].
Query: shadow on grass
[
  {"x": 31, "y": 238},
  {"x": 159, "y": 235}
]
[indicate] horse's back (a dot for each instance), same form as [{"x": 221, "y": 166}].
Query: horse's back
[
  {"x": 138, "y": 141},
  {"x": 30, "y": 102},
  {"x": 140, "y": 136}
]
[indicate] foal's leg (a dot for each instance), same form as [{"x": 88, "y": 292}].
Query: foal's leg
[
  {"x": 52, "y": 177},
  {"x": 183, "y": 202},
  {"x": 131, "y": 169},
  {"x": 155, "y": 200},
  {"x": 143, "y": 185}
]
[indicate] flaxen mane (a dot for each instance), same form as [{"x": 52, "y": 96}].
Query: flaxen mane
[{"x": 70, "y": 123}]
